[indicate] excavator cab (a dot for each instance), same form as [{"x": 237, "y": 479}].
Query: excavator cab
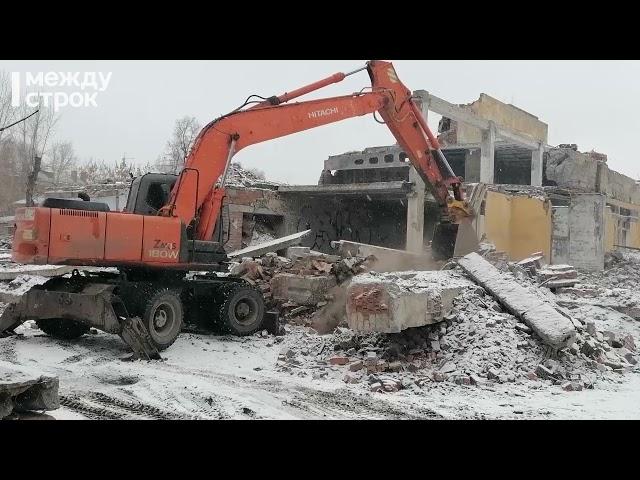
[{"x": 149, "y": 193}]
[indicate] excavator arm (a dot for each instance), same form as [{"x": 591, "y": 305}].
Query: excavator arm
[{"x": 197, "y": 196}]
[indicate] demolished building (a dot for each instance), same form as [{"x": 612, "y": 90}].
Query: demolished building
[
  {"x": 566, "y": 204},
  {"x": 569, "y": 205}
]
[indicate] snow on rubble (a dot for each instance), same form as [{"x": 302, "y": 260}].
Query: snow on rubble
[
  {"x": 242, "y": 177},
  {"x": 473, "y": 359}
]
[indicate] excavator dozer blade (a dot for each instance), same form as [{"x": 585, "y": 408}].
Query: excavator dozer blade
[
  {"x": 451, "y": 240},
  {"x": 93, "y": 307}
]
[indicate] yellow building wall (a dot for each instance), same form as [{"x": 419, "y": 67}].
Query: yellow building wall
[
  {"x": 530, "y": 227},
  {"x": 518, "y": 225},
  {"x": 633, "y": 237},
  {"x": 497, "y": 220}
]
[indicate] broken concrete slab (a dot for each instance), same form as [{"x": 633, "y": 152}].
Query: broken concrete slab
[
  {"x": 386, "y": 259},
  {"x": 272, "y": 246},
  {"x": 555, "y": 329},
  {"x": 533, "y": 261},
  {"x": 293, "y": 253},
  {"x": 41, "y": 270},
  {"x": 559, "y": 283},
  {"x": 394, "y": 301},
  {"x": 26, "y": 389},
  {"x": 630, "y": 309},
  {"x": 301, "y": 289},
  {"x": 553, "y": 274}
]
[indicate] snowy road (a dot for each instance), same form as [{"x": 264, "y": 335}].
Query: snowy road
[{"x": 210, "y": 377}]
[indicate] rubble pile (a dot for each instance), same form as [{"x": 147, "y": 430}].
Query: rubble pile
[
  {"x": 300, "y": 283},
  {"x": 241, "y": 177},
  {"x": 549, "y": 276},
  {"x": 477, "y": 344},
  {"x": 621, "y": 271},
  {"x": 615, "y": 288},
  {"x": 5, "y": 242},
  {"x": 495, "y": 257}
]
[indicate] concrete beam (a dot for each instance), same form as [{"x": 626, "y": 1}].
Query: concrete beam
[
  {"x": 554, "y": 329},
  {"x": 536, "y": 166},
  {"x": 415, "y": 214},
  {"x": 378, "y": 188},
  {"x": 377, "y": 157},
  {"x": 459, "y": 114},
  {"x": 415, "y": 201},
  {"x": 235, "y": 207},
  {"x": 487, "y": 154},
  {"x": 272, "y": 246},
  {"x": 386, "y": 259}
]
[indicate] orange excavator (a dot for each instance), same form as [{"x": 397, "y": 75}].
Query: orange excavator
[{"x": 166, "y": 231}]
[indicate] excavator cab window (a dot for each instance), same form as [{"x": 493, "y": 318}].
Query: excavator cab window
[
  {"x": 149, "y": 193},
  {"x": 157, "y": 196}
]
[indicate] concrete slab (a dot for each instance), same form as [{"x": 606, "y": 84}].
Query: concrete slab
[
  {"x": 272, "y": 246},
  {"x": 26, "y": 389},
  {"x": 398, "y": 188},
  {"x": 555, "y": 329},
  {"x": 41, "y": 270},
  {"x": 394, "y": 301},
  {"x": 301, "y": 289},
  {"x": 387, "y": 259}
]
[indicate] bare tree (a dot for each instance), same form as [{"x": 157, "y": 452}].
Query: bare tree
[
  {"x": 62, "y": 160},
  {"x": 185, "y": 132},
  {"x": 33, "y": 136},
  {"x": 6, "y": 111}
]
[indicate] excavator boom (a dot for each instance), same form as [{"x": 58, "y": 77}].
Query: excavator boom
[{"x": 197, "y": 200}]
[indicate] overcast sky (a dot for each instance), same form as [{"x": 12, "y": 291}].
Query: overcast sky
[{"x": 591, "y": 103}]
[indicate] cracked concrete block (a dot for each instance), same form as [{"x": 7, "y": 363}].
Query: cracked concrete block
[
  {"x": 394, "y": 301},
  {"x": 301, "y": 289}
]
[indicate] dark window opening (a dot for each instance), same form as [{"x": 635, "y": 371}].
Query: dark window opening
[{"x": 158, "y": 195}]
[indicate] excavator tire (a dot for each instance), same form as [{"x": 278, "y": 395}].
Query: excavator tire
[
  {"x": 62, "y": 328},
  {"x": 241, "y": 311},
  {"x": 163, "y": 317}
]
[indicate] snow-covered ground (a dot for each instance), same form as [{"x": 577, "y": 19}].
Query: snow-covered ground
[{"x": 222, "y": 377}]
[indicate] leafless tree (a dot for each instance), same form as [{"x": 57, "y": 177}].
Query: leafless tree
[
  {"x": 6, "y": 111},
  {"x": 185, "y": 132},
  {"x": 32, "y": 137},
  {"x": 61, "y": 160}
]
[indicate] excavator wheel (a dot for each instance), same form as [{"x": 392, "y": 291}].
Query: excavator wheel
[
  {"x": 241, "y": 310},
  {"x": 62, "y": 328},
  {"x": 163, "y": 317}
]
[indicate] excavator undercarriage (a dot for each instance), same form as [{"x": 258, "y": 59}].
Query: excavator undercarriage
[{"x": 146, "y": 309}]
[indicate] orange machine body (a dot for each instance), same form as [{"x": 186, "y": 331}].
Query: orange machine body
[{"x": 78, "y": 237}]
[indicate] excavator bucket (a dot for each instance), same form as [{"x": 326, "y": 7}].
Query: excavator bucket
[{"x": 451, "y": 240}]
